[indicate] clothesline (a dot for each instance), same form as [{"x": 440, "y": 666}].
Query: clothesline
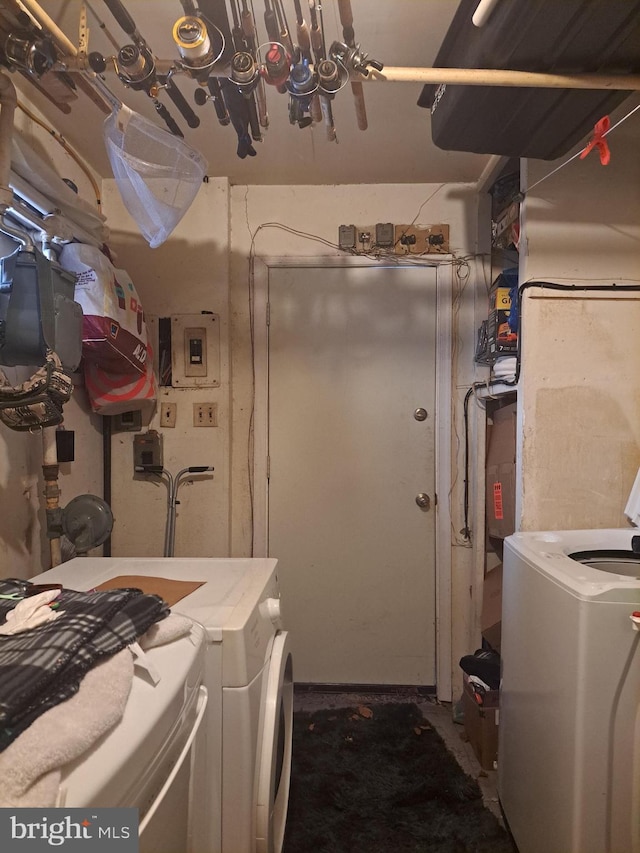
[{"x": 579, "y": 153}]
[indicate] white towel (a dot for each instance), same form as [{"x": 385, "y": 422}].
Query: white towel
[
  {"x": 30, "y": 767},
  {"x": 167, "y": 630},
  {"x": 31, "y": 612}
]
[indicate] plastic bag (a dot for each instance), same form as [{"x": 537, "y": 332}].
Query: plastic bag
[
  {"x": 114, "y": 333},
  {"x": 113, "y": 393},
  {"x": 157, "y": 174}
]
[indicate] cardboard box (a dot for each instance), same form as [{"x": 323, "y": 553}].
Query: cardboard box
[
  {"x": 481, "y": 724},
  {"x": 491, "y": 620},
  {"x": 501, "y": 473}
]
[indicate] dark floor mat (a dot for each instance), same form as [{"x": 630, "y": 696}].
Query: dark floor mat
[{"x": 381, "y": 780}]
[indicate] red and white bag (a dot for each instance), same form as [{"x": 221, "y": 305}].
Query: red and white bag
[
  {"x": 114, "y": 333},
  {"x": 115, "y": 393}
]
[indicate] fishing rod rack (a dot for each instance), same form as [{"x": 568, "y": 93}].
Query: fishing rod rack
[{"x": 218, "y": 46}]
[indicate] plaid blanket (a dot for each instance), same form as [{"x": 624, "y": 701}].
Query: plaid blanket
[{"x": 43, "y": 666}]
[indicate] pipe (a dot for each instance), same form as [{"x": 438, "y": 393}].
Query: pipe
[
  {"x": 48, "y": 24},
  {"x": 174, "y": 484},
  {"x": 467, "y": 77},
  {"x": 8, "y": 103},
  {"x": 483, "y": 12},
  {"x": 500, "y": 77},
  {"x": 106, "y": 474},
  {"x": 50, "y": 470},
  {"x": 489, "y": 173},
  {"x": 17, "y": 234},
  {"x": 45, "y": 208}
]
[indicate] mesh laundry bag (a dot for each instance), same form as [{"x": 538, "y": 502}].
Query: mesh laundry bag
[{"x": 157, "y": 174}]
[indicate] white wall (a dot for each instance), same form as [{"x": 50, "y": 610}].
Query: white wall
[
  {"x": 578, "y": 392},
  {"x": 185, "y": 275},
  {"x": 23, "y": 546}
]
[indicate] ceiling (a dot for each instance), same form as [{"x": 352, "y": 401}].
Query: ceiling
[{"x": 396, "y": 147}]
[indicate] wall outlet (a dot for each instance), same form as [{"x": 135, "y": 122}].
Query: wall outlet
[
  {"x": 205, "y": 414},
  {"x": 168, "y": 414}
]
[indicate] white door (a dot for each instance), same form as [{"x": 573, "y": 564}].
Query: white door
[{"x": 351, "y": 359}]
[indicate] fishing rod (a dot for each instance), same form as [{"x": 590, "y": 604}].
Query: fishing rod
[
  {"x": 270, "y": 22},
  {"x": 348, "y": 34},
  {"x": 244, "y": 78},
  {"x": 284, "y": 36},
  {"x": 302, "y": 32},
  {"x": 249, "y": 29},
  {"x": 135, "y": 66},
  {"x": 329, "y": 72},
  {"x": 192, "y": 35}
]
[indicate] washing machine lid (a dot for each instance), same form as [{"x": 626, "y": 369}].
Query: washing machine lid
[
  {"x": 231, "y": 586},
  {"x": 111, "y": 773},
  {"x": 548, "y": 552}
]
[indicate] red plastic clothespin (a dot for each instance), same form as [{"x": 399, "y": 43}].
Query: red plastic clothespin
[{"x": 598, "y": 141}]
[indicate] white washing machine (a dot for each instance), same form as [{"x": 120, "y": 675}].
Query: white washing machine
[
  {"x": 146, "y": 761},
  {"x": 569, "y": 732},
  {"x": 242, "y": 776}
]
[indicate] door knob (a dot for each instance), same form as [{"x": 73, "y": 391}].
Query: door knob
[
  {"x": 423, "y": 500},
  {"x": 421, "y": 414}
]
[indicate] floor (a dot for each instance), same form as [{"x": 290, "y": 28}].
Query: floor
[{"x": 438, "y": 714}]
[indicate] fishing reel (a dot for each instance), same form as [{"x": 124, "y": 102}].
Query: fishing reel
[
  {"x": 33, "y": 55},
  {"x": 134, "y": 66},
  {"x": 277, "y": 66},
  {"x": 302, "y": 85},
  {"x": 353, "y": 58},
  {"x": 332, "y": 76},
  {"x": 245, "y": 72},
  {"x": 198, "y": 52}
]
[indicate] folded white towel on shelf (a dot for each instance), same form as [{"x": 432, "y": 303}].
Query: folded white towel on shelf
[{"x": 504, "y": 368}]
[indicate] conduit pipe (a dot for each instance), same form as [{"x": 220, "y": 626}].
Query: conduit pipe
[
  {"x": 50, "y": 471},
  {"x": 483, "y": 12},
  {"x": 8, "y": 104},
  {"x": 58, "y": 227}
]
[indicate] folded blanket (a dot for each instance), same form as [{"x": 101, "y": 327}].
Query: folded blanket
[
  {"x": 43, "y": 666},
  {"x": 31, "y": 766}
]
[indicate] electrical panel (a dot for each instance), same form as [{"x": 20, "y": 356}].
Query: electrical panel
[
  {"x": 195, "y": 351},
  {"x": 396, "y": 239}
]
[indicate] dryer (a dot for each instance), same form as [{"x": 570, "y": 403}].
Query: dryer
[
  {"x": 569, "y": 732},
  {"x": 241, "y": 776},
  {"x": 146, "y": 761}
]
